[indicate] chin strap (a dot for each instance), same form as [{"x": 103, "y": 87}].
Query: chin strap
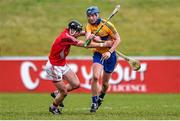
[{"x": 70, "y": 32}]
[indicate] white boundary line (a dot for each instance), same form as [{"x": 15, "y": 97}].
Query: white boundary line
[{"x": 40, "y": 58}]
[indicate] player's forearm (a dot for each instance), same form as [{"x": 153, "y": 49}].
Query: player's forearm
[
  {"x": 82, "y": 33},
  {"x": 94, "y": 44},
  {"x": 87, "y": 34},
  {"x": 115, "y": 44}
]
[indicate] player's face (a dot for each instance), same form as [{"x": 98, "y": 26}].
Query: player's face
[
  {"x": 74, "y": 33},
  {"x": 77, "y": 34},
  {"x": 92, "y": 18}
]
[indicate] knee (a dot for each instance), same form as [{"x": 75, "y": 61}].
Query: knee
[
  {"x": 105, "y": 85},
  {"x": 95, "y": 78},
  {"x": 76, "y": 85},
  {"x": 63, "y": 92}
]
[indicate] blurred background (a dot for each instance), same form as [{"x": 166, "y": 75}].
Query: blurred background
[
  {"x": 150, "y": 32},
  {"x": 146, "y": 27}
]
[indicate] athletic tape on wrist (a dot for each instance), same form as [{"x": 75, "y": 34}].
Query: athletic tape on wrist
[{"x": 101, "y": 44}]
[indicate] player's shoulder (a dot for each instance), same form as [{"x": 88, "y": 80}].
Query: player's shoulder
[
  {"x": 64, "y": 33},
  {"x": 104, "y": 20},
  {"x": 67, "y": 39},
  {"x": 109, "y": 25},
  {"x": 88, "y": 25}
]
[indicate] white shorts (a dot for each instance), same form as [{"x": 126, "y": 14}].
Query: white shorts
[{"x": 56, "y": 73}]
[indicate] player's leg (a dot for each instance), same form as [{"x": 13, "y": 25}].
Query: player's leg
[
  {"x": 59, "y": 98},
  {"x": 109, "y": 66},
  {"x": 53, "y": 95},
  {"x": 55, "y": 73},
  {"x": 97, "y": 70},
  {"x": 56, "y": 92},
  {"x": 105, "y": 82},
  {"x": 105, "y": 85},
  {"x": 74, "y": 83},
  {"x": 70, "y": 76},
  {"x": 72, "y": 79},
  {"x": 68, "y": 86}
]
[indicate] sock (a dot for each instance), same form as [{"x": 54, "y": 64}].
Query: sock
[
  {"x": 94, "y": 99},
  {"x": 53, "y": 106},
  {"x": 102, "y": 95}
]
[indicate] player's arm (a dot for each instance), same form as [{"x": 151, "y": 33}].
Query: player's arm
[
  {"x": 117, "y": 40},
  {"x": 82, "y": 33},
  {"x": 89, "y": 35},
  {"x": 94, "y": 44},
  {"x": 114, "y": 35},
  {"x": 70, "y": 40},
  {"x": 95, "y": 38}
]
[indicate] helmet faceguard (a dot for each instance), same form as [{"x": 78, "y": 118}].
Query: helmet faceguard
[{"x": 75, "y": 25}]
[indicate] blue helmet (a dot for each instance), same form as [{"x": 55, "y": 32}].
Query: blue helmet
[{"x": 92, "y": 10}]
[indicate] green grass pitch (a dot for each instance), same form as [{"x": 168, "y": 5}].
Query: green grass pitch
[
  {"x": 115, "y": 107},
  {"x": 146, "y": 27}
]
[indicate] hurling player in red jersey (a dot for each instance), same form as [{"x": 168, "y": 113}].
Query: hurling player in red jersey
[{"x": 56, "y": 67}]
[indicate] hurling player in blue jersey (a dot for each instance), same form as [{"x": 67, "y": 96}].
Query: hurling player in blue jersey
[{"x": 104, "y": 59}]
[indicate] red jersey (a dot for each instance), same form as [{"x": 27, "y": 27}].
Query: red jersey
[{"x": 60, "y": 48}]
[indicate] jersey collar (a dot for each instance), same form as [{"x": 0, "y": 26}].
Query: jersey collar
[{"x": 97, "y": 22}]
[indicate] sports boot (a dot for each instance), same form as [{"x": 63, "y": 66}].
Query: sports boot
[
  {"x": 54, "y": 111},
  {"x": 94, "y": 107},
  {"x": 99, "y": 101}
]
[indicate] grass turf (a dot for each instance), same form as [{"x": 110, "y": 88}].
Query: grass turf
[
  {"x": 116, "y": 106},
  {"x": 147, "y": 27}
]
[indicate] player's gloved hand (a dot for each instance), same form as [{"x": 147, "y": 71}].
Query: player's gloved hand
[{"x": 106, "y": 55}]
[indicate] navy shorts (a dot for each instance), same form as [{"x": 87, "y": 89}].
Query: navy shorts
[{"x": 109, "y": 64}]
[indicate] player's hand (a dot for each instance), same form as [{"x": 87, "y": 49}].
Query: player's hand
[
  {"x": 97, "y": 39},
  {"x": 91, "y": 37},
  {"x": 82, "y": 33},
  {"x": 106, "y": 55}
]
